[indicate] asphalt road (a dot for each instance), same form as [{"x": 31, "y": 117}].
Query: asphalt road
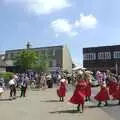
[
  {"x": 113, "y": 110},
  {"x": 44, "y": 105}
]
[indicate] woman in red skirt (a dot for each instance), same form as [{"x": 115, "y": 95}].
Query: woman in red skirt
[
  {"x": 79, "y": 94},
  {"x": 112, "y": 86},
  {"x": 116, "y": 95},
  {"x": 61, "y": 90},
  {"x": 87, "y": 79},
  {"x": 102, "y": 95}
]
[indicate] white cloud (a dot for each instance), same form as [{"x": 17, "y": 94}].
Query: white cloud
[
  {"x": 63, "y": 26},
  {"x": 42, "y": 6},
  {"x": 86, "y": 22}
]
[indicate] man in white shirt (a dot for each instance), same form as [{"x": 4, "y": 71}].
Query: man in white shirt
[{"x": 12, "y": 84}]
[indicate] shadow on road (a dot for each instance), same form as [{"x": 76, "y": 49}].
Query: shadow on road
[
  {"x": 64, "y": 111},
  {"x": 50, "y": 101},
  {"x": 6, "y": 99},
  {"x": 95, "y": 106},
  {"x": 34, "y": 89},
  {"x": 9, "y": 99}
]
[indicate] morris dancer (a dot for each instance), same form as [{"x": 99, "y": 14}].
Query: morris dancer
[
  {"x": 99, "y": 77},
  {"x": 102, "y": 95},
  {"x": 79, "y": 94},
  {"x": 112, "y": 86},
  {"x": 61, "y": 90},
  {"x": 87, "y": 78},
  {"x": 116, "y": 95}
]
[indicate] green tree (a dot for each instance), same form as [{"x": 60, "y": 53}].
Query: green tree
[
  {"x": 25, "y": 59},
  {"x": 42, "y": 62}
]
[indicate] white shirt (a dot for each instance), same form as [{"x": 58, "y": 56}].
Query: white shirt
[
  {"x": 12, "y": 82},
  {"x": 49, "y": 77},
  {"x": 59, "y": 76},
  {"x": 15, "y": 76}
]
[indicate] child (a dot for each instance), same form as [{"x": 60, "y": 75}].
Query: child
[
  {"x": 61, "y": 90},
  {"x": 102, "y": 95}
]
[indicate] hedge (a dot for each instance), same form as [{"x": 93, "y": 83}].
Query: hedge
[{"x": 7, "y": 75}]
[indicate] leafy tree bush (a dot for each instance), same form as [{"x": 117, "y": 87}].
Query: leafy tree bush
[
  {"x": 7, "y": 75},
  {"x": 25, "y": 59}
]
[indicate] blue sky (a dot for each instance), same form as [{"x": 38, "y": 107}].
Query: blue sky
[{"x": 77, "y": 23}]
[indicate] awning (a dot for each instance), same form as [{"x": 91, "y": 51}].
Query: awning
[{"x": 78, "y": 68}]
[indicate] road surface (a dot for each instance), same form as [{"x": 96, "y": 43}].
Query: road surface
[{"x": 44, "y": 105}]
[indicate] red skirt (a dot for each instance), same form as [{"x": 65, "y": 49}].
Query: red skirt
[
  {"x": 77, "y": 98},
  {"x": 112, "y": 88},
  {"x": 116, "y": 95},
  {"x": 61, "y": 92},
  {"x": 88, "y": 91},
  {"x": 102, "y": 95}
]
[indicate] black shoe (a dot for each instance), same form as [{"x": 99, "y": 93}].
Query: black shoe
[
  {"x": 62, "y": 100},
  {"x": 89, "y": 99},
  {"x": 106, "y": 105},
  {"x": 86, "y": 99},
  {"x": 81, "y": 111},
  {"x": 78, "y": 108},
  {"x": 99, "y": 104}
]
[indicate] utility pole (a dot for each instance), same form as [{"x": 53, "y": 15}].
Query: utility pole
[{"x": 116, "y": 67}]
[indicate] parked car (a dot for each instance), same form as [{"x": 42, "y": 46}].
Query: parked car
[{"x": 94, "y": 83}]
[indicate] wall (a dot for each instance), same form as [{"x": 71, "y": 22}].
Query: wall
[
  {"x": 2, "y": 69},
  {"x": 67, "y": 60}
]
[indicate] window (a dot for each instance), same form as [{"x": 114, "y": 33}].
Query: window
[
  {"x": 104, "y": 55},
  {"x": 54, "y": 51},
  {"x": 49, "y": 51},
  {"x": 54, "y": 63},
  {"x": 9, "y": 56},
  {"x": 107, "y": 55},
  {"x": 89, "y": 56},
  {"x": 116, "y": 54},
  {"x": 85, "y": 56},
  {"x": 50, "y": 63},
  {"x": 101, "y": 55}
]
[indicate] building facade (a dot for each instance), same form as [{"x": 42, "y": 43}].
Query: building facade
[
  {"x": 61, "y": 59},
  {"x": 102, "y": 58}
]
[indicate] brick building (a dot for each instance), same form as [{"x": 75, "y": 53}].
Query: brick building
[{"x": 102, "y": 58}]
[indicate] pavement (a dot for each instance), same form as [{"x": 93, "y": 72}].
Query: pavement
[{"x": 44, "y": 105}]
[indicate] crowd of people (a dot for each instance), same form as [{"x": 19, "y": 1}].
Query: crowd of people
[
  {"x": 109, "y": 89},
  {"x": 32, "y": 79},
  {"x": 109, "y": 86}
]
